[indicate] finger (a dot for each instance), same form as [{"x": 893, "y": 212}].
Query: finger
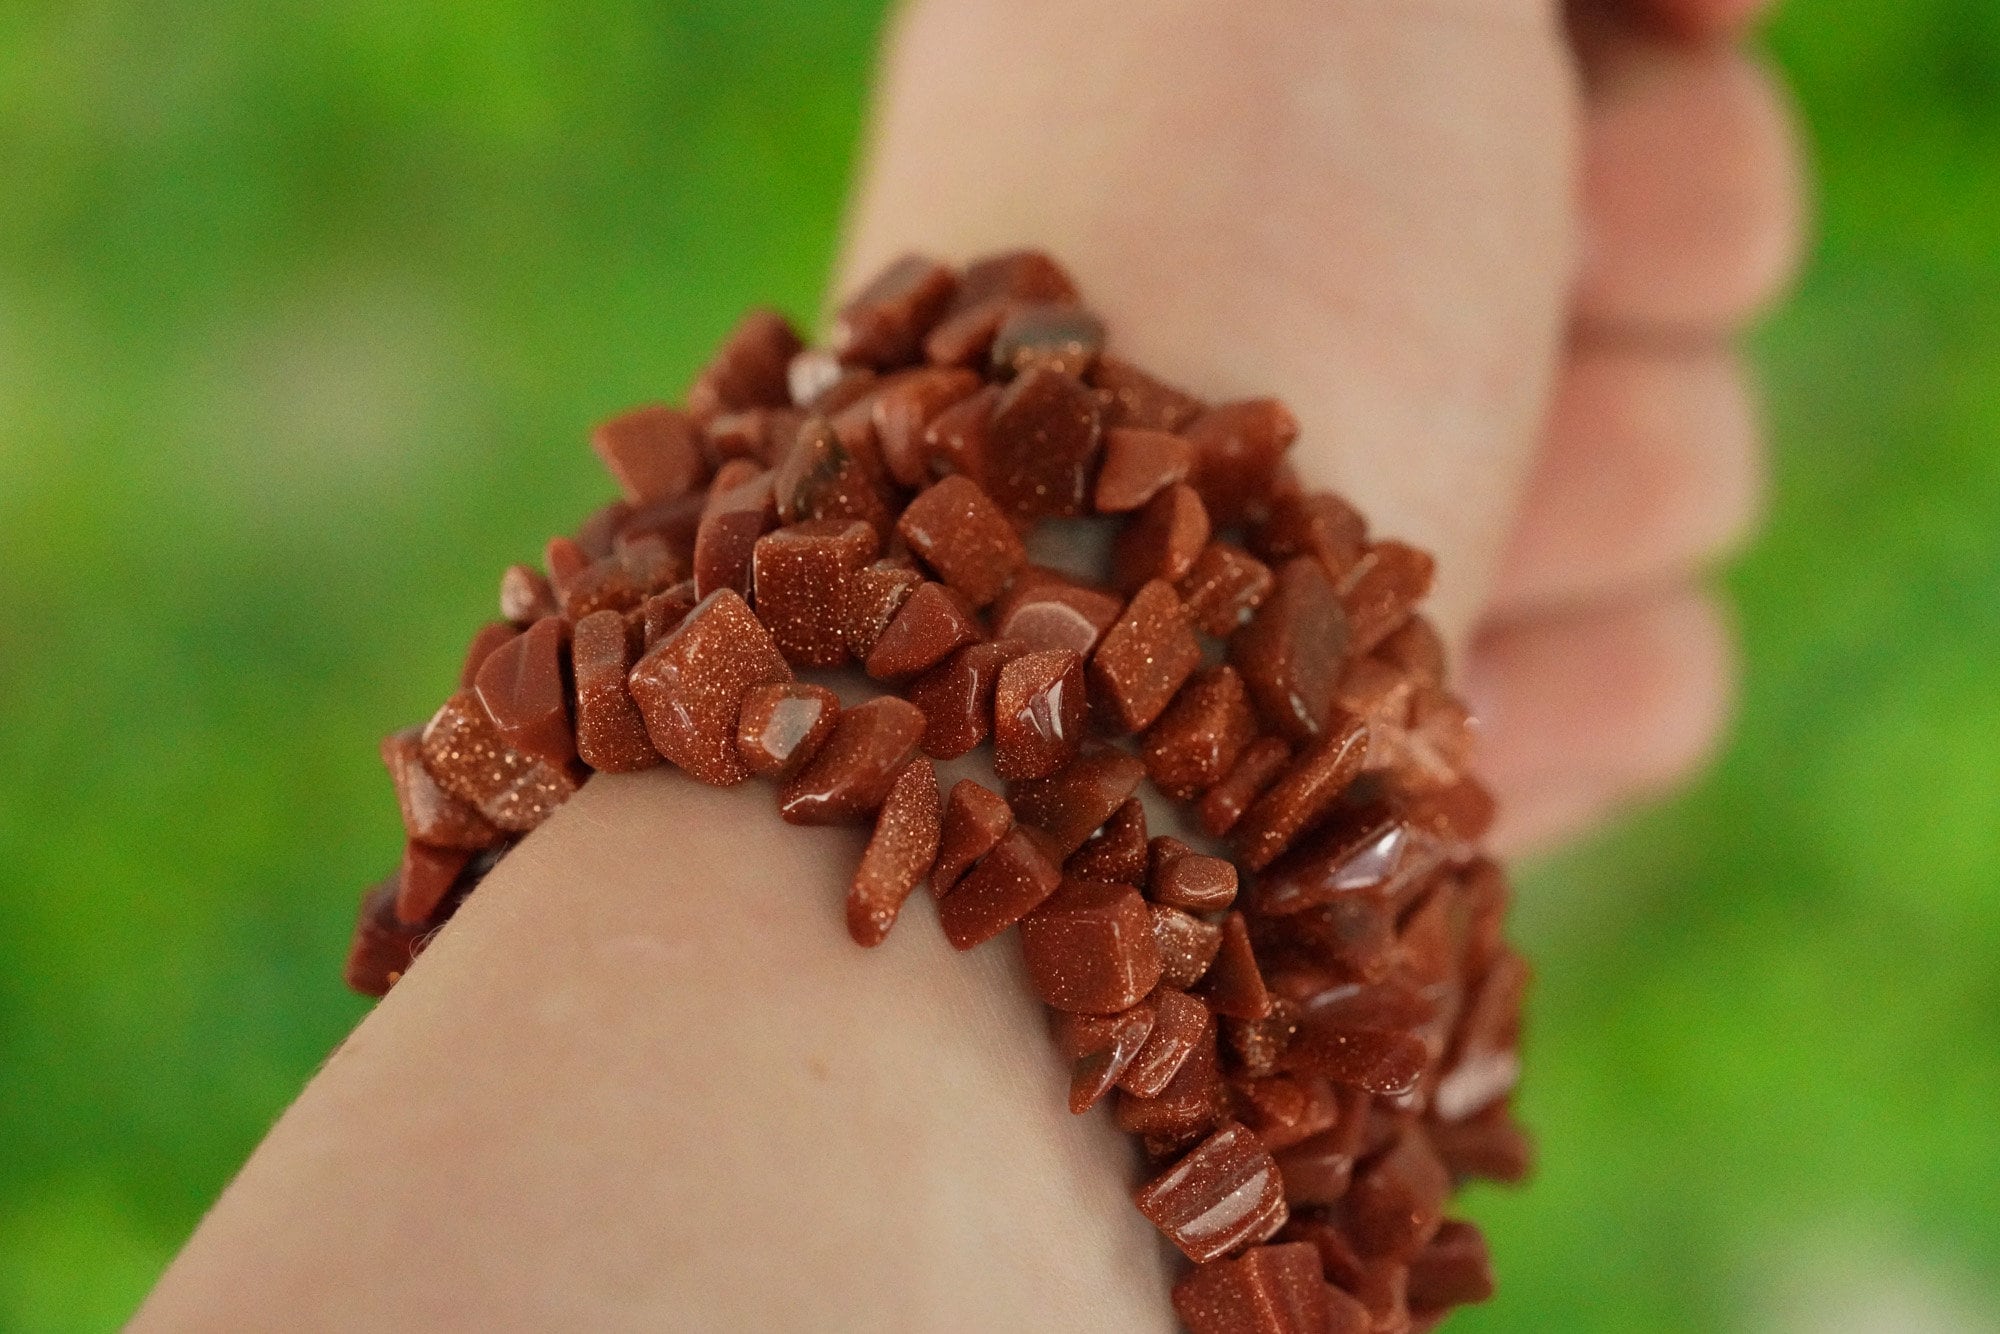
[
  {"x": 1692, "y": 195},
  {"x": 1232, "y": 188},
  {"x": 1583, "y": 713},
  {"x": 1652, "y": 469}
]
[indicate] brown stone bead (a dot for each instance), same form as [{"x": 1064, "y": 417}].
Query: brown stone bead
[
  {"x": 1292, "y": 651},
  {"x": 1301, "y": 795},
  {"x": 1484, "y": 1064},
  {"x": 1417, "y": 649},
  {"x": 1319, "y": 526},
  {"x": 1286, "y": 1110},
  {"x": 759, "y": 435},
  {"x": 610, "y": 734},
  {"x": 1397, "y": 1201},
  {"x": 812, "y": 375},
  {"x": 1181, "y": 1024},
  {"x": 1363, "y": 1037},
  {"x": 1269, "y": 1290},
  {"x": 782, "y": 725},
  {"x": 1015, "y": 275},
  {"x": 1234, "y": 986},
  {"x": 650, "y": 559},
  {"x": 1260, "y": 1044},
  {"x": 1369, "y": 852},
  {"x": 956, "y": 439},
  {"x": 484, "y": 641},
  {"x": 1006, "y": 885},
  {"x": 1224, "y": 588},
  {"x": 1138, "y": 465},
  {"x": 1132, "y": 398},
  {"x": 741, "y": 508},
  {"x": 1436, "y": 745},
  {"x": 1144, "y": 658},
  {"x": 1047, "y": 611},
  {"x": 898, "y": 856},
  {"x": 1161, "y": 541},
  {"x": 594, "y": 536},
  {"x": 904, "y": 409},
  {"x": 931, "y": 625},
  {"x": 1090, "y": 948},
  {"x": 1381, "y": 591},
  {"x": 1188, "y": 1106},
  {"x": 749, "y": 369},
  {"x": 661, "y": 614},
  {"x": 1490, "y": 1146},
  {"x": 1376, "y": 1287},
  {"x": 1187, "y": 945},
  {"x": 957, "y": 530},
  {"x": 384, "y": 946},
  {"x": 1047, "y": 335},
  {"x": 424, "y": 878},
  {"x": 431, "y": 815},
  {"x": 1102, "y": 1048},
  {"x": 690, "y": 686},
  {"x": 564, "y": 560},
  {"x": 885, "y": 323},
  {"x": 965, "y": 339},
  {"x": 525, "y": 595},
  {"x": 802, "y": 577},
  {"x": 1379, "y": 695},
  {"x": 975, "y": 820},
  {"x": 1237, "y": 450},
  {"x": 850, "y": 777},
  {"x": 521, "y": 687},
  {"x": 602, "y": 585},
  {"x": 1319, "y": 1169},
  {"x": 1255, "y": 769},
  {"x": 1041, "y": 446},
  {"x": 1039, "y": 712},
  {"x": 1455, "y": 817},
  {"x": 957, "y": 697},
  {"x": 652, "y": 452},
  {"x": 823, "y": 477},
  {"x": 1200, "y": 736},
  {"x": 1070, "y": 804},
  {"x": 875, "y": 595},
  {"x": 1180, "y": 877},
  {"x": 469, "y": 757},
  {"x": 1117, "y": 853},
  {"x": 678, "y": 520},
  {"x": 1454, "y": 1269},
  {"x": 1224, "y": 1194}
]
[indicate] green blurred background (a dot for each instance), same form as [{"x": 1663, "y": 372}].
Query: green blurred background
[{"x": 304, "y": 309}]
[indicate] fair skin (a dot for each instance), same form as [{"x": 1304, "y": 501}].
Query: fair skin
[{"x": 1494, "y": 263}]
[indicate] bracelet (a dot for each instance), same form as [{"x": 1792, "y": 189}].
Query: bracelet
[{"x": 1302, "y": 1007}]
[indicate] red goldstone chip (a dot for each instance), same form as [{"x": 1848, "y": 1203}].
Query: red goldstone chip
[
  {"x": 760, "y": 435},
  {"x": 957, "y": 697},
  {"x": 803, "y": 577},
  {"x": 1132, "y": 398},
  {"x": 1049, "y": 335},
  {"x": 1047, "y": 611},
  {"x": 1237, "y": 450},
  {"x": 1224, "y": 588},
  {"x": 690, "y": 686},
  {"x": 521, "y": 686},
  {"x": 1382, "y": 590},
  {"x": 1234, "y": 986},
  {"x": 485, "y": 640},
  {"x": 1223, "y": 805},
  {"x": 850, "y": 777},
  {"x": 1187, "y": 945},
  {"x": 1181, "y": 1024},
  {"x": 824, "y": 477},
  {"x": 1138, "y": 465},
  {"x": 1009, "y": 882},
  {"x": 1187, "y": 1108},
  {"x": 1039, "y": 711},
  {"x": 1041, "y": 444},
  {"x": 905, "y": 409},
  {"x": 1224, "y": 1194},
  {"x": 430, "y": 813},
  {"x": 898, "y": 856},
  {"x": 469, "y": 757},
  {"x": 424, "y": 878},
  {"x": 1489, "y": 1146},
  {"x": 1454, "y": 1269},
  {"x": 975, "y": 820},
  {"x": 1320, "y": 527},
  {"x": 1070, "y": 804},
  {"x": 1161, "y": 541},
  {"x": 1397, "y": 1201},
  {"x": 874, "y": 597},
  {"x": 1368, "y": 852},
  {"x": 652, "y": 452},
  {"x": 1292, "y": 651},
  {"x": 932, "y": 624},
  {"x": 741, "y": 508},
  {"x": 1102, "y": 1048},
  {"x": 1269, "y": 1290},
  {"x": 956, "y": 439},
  {"x": 1417, "y": 650},
  {"x": 610, "y": 734},
  {"x": 1180, "y": 877},
  {"x": 662, "y": 614},
  {"x": 1301, "y": 795},
  {"x": 1196, "y": 741},
  {"x": 885, "y": 323},
  {"x": 525, "y": 595},
  {"x": 1144, "y": 659},
  {"x": 782, "y": 726},
  {"x": 1118, "y": 852},
  {"x": 384, "y": 946},
  {"x": 749, "y": 370},
  {"x": 1090, "y": 948},
  {"x": 605, "y": 583},
  {"x": 958, "y": 531}
]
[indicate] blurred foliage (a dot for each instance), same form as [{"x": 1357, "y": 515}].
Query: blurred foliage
[{"x": 302, "y": 310}]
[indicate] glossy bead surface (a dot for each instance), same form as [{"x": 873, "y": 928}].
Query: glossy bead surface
[
  {"x": 782, "y": 725},
  {"x": 431, "y": 814},
  {"x": 466, "y": 753},
  {"x": 1117, "y": 853},
  {"x": 802, "y": 579},
  {"x": 1041, "y": 445},
  {"x": 1047, "y": 611},
  {"x": 520, "y": 685},
  {"x": 1090, "y": 948},
  {"x": 957, "y": 697},
  {"x": 1072, "y": 803},
  {"x": 610, "y": 734},
  {"x": 975, "y": 820},
  {"x": 652, "y": 452},
  {"x": 690, "y": 686},
  {"x": 1039, "y": 712},
  {"x": 1006, "y": 885},
  {"x": 958, "y": 530},
  {"x": 1138, "y": 465},
  {"x": 1224, "y": 1194},
  {"x": 1144, "y": 658},
  {"x": 898, "y": 856},
  {"x": 1195, "y": 742},
  {"x": 850, "y": 777},
  {"x": 1291, "y": 652},
  {"x": 932, "y": 624}
]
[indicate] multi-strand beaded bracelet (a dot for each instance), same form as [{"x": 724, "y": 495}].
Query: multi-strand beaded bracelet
[{"x": 1313, "y": 1035}]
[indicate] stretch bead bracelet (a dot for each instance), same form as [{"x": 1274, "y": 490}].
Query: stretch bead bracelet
[{"x": 1303, "y": 1008}]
